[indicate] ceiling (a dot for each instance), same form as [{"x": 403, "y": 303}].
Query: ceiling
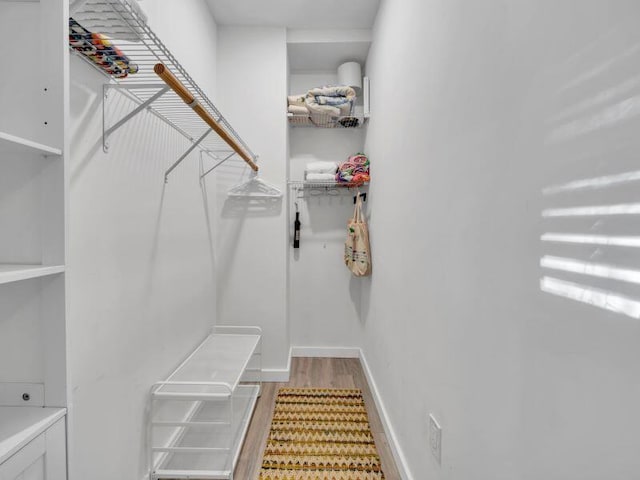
[{"x": 296, "y": 13}]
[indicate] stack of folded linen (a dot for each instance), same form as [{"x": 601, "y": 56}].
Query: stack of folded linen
[
  {"x": 355, "y": 170},
  {"x": 296, "y": 105},
  {"x": 322, "y": 106},
  {"x": 327, "y": 105},
  {"x": 321, "y": 172}
]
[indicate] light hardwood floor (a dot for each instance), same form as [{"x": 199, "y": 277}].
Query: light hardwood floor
[{"x": 311, "y": 372}]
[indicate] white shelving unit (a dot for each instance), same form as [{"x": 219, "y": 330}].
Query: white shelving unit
[
  {"x": 200, "y": 414},
  {"x": 357, "y": 120},
  {"x": 16, "y": 145},
  {"x": 32, "y": 245},
  {"x": 16, "y": 273}
]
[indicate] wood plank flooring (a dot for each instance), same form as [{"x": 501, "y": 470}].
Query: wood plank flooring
[{"x": 311, "y": 372}]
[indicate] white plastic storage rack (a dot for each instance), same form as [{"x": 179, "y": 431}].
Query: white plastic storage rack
[
  {"x": 200, "y": 414},
  {"x": 126, "y": 26}
]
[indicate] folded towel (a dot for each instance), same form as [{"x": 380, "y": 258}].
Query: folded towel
[
  {"x": 322, "y": 167},
  {"x": 296, "y": 100},
  {"x": 298, "y": 110},
  {"x": 321, "y": 177},
  {"x": 334, "y": 101}
]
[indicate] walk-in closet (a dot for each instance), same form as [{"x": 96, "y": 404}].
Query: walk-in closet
[{"x": 319, "y": 240}]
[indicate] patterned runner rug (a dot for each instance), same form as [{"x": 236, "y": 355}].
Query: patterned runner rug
[{"x": 320, "y": 434}]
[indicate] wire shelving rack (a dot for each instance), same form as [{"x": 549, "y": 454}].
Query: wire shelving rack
[{"x": 126, "y": 27}]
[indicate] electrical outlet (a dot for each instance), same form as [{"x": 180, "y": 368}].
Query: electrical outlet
[{"x": 435, "y": 438}]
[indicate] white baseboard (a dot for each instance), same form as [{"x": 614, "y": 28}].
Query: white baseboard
[
  {"x": 275, "y": 375},
  {"x": 279, "y": 375},
  {"x": 326, "y": 352},
  {"x": 398, "y": 455}
]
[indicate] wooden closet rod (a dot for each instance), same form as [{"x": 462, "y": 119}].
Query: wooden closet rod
[{"x": 182, "y": 91}]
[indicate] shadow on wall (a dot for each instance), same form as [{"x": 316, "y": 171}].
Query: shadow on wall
[
  {"x": 127, "y": 188},
  {"x": 359, "y": 290},
  {"x": 329, "y": 213},
  {"x": 207, "y": 217},
  {"x": 247, "y": 207},
  {"x": 590, "y": 242}
]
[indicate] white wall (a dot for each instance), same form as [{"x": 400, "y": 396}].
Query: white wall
[
  {"x": 476, "y": 108},
  {"x": 141, "y": 270},
  {"x": 251, "y": 242},
  {"x": 324, "y": 296}
]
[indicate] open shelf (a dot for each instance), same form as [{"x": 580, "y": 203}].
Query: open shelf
[
  {"x": 301, "y": 184},
  {"x": 14, "y": 273},
  {"x": 220, "y": 359},
  {"x": 200, "y": 415},
  {"x": 326, "y": 121},
  {"x": 207, "y": 448},
  {"x": 13, "y": 144},
  {"x": 126, "y": 26}
]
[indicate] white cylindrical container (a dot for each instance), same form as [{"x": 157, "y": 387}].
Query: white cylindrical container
[{"x": 350, "y": 73}]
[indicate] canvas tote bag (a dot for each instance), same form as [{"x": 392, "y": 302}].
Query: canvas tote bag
[{"x": 357, "y": 253}]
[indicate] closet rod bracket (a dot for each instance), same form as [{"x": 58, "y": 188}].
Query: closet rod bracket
[
  {"x": 220, "y": 162},
  {"x": 186, "y": 154},
  {"x": 106, "y": 132}
]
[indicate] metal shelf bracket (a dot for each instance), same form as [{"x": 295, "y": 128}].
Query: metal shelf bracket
[
  {"x": 193, "y": 146},
  {"x": 107, "y": 131}
]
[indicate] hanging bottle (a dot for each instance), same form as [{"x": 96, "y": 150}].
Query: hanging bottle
[{"x": 296, "y": 231}]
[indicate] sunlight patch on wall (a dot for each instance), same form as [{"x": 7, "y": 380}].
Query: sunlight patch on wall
[
  {"x": 593, "y": 183},
  {"x": 591, "y": 296},
  {"x": 606, "y": 118},
  {"x": 613, "y": 241},
  {"x": 596, "y": 210},
  {"x": 593, "y": 269},
  {"x": 598, "y": 99}
]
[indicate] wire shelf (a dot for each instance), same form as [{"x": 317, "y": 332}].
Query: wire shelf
[
  {"x": 120, "y": 36},
  {"x": 306, "y": 184},
  {"x": 326, "y": 120}
]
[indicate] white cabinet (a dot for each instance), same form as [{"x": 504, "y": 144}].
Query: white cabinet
[
  {"x": 28, "y": 463},
  {"x": 42, "y": 458}
]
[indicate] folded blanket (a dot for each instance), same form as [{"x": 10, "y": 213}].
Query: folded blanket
[
  {"x": 333, "y": 91},
  {"x": 298, "y": 100},
  {"x": 327, "y": 104},
  {"x": 320, "y": 177},
  {"x": 298, "y": 110},
  {"x": 355, "y": 170},
  {"x": 322, "y": 167}
]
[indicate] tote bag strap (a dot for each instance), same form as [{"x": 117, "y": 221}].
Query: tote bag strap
[
  {"x": 358, "y": 216},
  {"x": 357, "y": 213}
]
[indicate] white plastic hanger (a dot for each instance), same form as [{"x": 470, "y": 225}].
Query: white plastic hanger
[{"x": 255, "y": 187}]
